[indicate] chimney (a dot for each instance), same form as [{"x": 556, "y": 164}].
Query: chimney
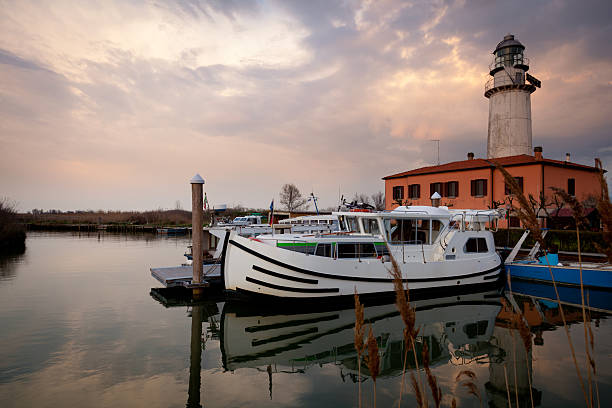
[
  {"x": 470, "y": 156},
  {"x": 537, "y": 152},
  {"x": 435, "y": 199},
  {"x": 567, "y": 157}
]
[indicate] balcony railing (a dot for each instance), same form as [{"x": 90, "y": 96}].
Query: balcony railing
[{"x": 501, "y": 80}]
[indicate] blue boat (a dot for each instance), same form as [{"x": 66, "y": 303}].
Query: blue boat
[{"x": 539, "y": 269}]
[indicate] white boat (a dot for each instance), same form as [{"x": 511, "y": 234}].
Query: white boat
[{"x": 435, "y": 249}]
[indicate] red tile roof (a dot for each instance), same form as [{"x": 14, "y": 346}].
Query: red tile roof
[{"x": 509, "y": 161}]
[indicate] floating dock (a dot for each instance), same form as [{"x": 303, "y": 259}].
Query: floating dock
[{"x": 182, "y": 276}]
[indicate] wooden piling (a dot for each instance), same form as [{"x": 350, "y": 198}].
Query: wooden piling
[{"x": 197, "y": 216}]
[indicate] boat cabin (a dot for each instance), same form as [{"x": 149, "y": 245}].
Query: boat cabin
[{"x": 372, "y": 234}]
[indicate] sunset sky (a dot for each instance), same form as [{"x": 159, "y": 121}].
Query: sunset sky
[{"x": 115, "y": 105}]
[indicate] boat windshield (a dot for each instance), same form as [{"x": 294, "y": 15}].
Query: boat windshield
[
  {"x": 352, "y": 224},
  {"x": 412, "y": 231},
  {"x": 370, "y": 226}
]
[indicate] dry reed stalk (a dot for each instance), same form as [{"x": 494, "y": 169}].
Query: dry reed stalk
[
  {"x": 525, "y": 211},
  {"x": 469, "y": 383},
  {"x": 359, "y": 333},
  {"x": 408, "y": 315},
  {"x": 580, "y": 220},
  {"x": 507, "y": 386},
  {"x": 418, "y": 395},
  {"x": 436, "y": 392},
  {"x": 520, "y": 325},
  {"x": 605, "y": 212},
  {"x": 373, "y": 359},
  {"x": 529, "y": 219}
]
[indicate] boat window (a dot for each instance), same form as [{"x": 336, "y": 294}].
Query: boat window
[
  {"x": 324, "y": 250},
  {"x": 406, "y": 231},
  {"x": 353, "y": 225},
  {"x": 356, "y": 250},
  {"x": 436, "y": 226},
  {"x": 381, "y": 249},
  {"x": 302, "y": 247},
  {"x": 476, "y": 329},
  {"x": 476, "y": 245},
  {"x": 370, "y": 226}
]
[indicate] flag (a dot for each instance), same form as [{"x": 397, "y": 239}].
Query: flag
[{"x": 271, "y": 212}]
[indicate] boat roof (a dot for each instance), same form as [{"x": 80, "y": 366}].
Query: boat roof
[
  {"x": 412, "y": 211},
  {"x": 325, "y": 217}
]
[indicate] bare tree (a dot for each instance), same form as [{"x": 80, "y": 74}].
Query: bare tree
[
  {"x": 292, "y": 199},
  {"x": 379, "y": 201},
  {"x": 361, "y": 198}
]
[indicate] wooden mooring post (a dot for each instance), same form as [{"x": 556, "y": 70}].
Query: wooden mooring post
[{"x": 197, "y": 216}]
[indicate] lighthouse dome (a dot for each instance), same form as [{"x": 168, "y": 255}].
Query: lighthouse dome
[{"x": 508, "y": 41}]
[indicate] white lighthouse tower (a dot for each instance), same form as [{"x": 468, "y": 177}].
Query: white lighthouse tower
[{"x": 509, "y": 100}]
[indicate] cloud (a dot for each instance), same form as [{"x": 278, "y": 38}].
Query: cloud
[{"x": 256, "y": 94}]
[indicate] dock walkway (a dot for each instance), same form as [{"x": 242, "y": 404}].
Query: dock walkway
[{"x": 183, "y": 275}]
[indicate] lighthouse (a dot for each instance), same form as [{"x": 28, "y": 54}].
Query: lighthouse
[{"x": 509, "y": 93}]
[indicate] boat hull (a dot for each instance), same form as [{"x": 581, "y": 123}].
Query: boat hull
[
  {"x": 252, "y": 267},
  {"x": 563, "y": 275}
]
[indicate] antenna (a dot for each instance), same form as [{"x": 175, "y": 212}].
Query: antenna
[
  {"x": 438, "y": 157},
  {"x": 314, "y": 200}
]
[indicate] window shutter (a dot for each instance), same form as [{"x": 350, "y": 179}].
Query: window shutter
[
  {"x": 473, "y": 187},
  {"x": 432, "y": 189},
  {"x": 418, "y": 191},
  {"x": 484, "y": 187}
]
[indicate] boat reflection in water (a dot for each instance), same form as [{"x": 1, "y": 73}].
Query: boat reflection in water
[
  {"x": 454, "y": 328},
  {"x": 462, "y": 330}
]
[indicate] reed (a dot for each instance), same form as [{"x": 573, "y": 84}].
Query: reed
[
  {"x": 408, "y": 315},
  {"x": 605, "y": 212},
  {"x": 581, "y": 222},
  {"x": 373, "y": 359},
  {"x": 469, "y": 383},
  {"x": 432, "y": 381},
  {"x": 529, "y": 219},
  {"x": 359, "y": 333}
]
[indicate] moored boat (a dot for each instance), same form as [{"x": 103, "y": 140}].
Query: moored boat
[
  {"x": 540, "y": 268},
  {"x": 435, "y": 248}
]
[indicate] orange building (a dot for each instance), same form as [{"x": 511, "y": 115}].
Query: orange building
[{"x": 478, "y": 184}]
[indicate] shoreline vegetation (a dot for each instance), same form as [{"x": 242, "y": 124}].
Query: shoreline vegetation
[
  {"x": 12, "y": 230},
  {"x": 120, "y": 220}
]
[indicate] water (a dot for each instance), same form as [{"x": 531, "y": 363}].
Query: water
[{"x": 80, "y": 328}]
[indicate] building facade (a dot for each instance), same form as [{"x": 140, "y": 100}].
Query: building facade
[{"x": 478, "y": 184}]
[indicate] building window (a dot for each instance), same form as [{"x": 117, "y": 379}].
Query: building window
[
  {"x": 479, "y": 187},
  {"x": 571, "y": 187},
  {"x": 436, "y": 188},
  {"x": 398, "y": 192},
  {"x": 519, "y": 181},
  {"x": 452, "y": 189},
  {"x": 414, "y": 191}
]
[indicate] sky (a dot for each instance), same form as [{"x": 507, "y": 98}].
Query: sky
[{"x": 115, "y": 105}]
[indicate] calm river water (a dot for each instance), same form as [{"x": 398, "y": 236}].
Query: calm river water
[{"x": 79, "y": 327}]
